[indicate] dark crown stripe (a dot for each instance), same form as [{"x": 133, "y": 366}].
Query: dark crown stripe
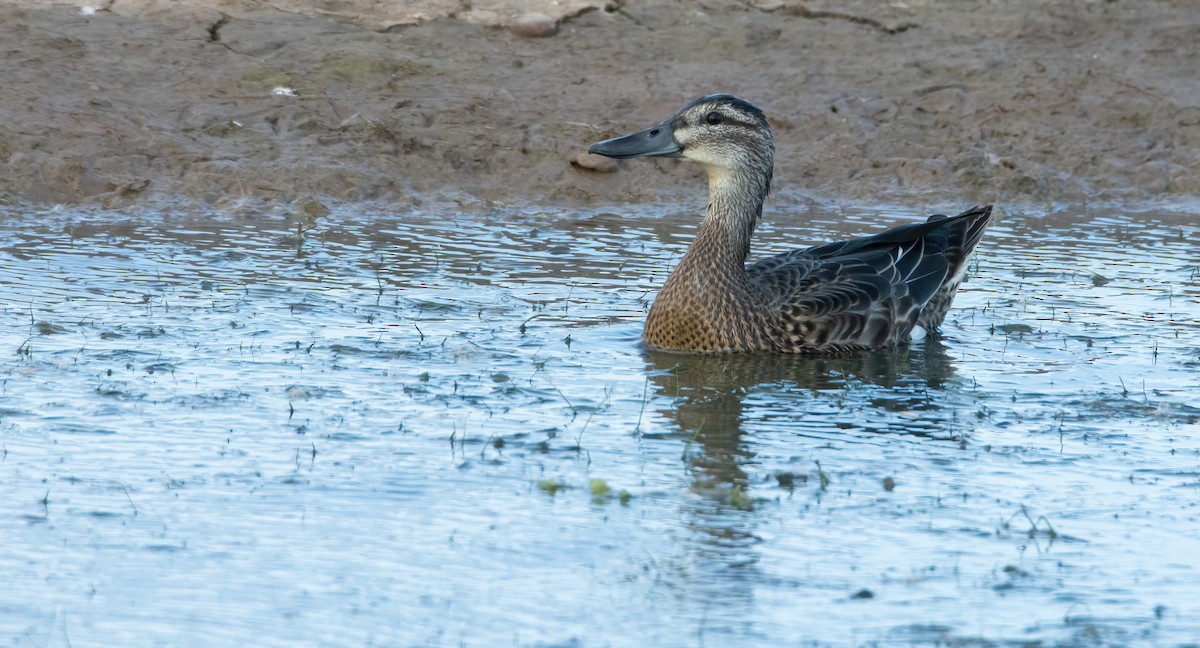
[{"x": 736, "y": 103}]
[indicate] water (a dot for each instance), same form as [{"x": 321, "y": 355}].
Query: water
[{"x": 385, "y": 428}]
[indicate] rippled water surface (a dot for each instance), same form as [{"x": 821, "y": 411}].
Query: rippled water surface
[{"x": 435, "y": 427}]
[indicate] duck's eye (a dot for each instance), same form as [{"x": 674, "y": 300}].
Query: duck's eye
[{"x": 714, "y": 118}]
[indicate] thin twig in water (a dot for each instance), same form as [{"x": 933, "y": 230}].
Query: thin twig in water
[
  {"x": 692, "y": 439},
  {"x": 1033, "y": 524},
  {"x": 579, "y": 437},
  {"x": 564, "y": 397},
  {"x": 1034, "y": 527},
  {"x": 603, "y": 403},
  {"x": 567, "y": 303},
  {"x": 645, "y": 389},
  {"x": 130, "y": 498}
]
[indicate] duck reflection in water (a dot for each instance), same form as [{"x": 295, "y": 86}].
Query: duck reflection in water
[
  {"x": 715, "y": 399},
  {"x": 842, "y": 391}
]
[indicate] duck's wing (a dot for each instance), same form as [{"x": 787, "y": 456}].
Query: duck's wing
[
  {"x": 868, "y": 298},
  {"x": 864, "y": 292}
]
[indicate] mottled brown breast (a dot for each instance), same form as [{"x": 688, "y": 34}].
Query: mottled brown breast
[{"x": 707, "y": 312}]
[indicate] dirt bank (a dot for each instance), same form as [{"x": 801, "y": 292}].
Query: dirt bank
[{"x": 1020, "y": 101}]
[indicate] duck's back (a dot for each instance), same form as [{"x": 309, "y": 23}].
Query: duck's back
[{"x": 868, "y": 292}]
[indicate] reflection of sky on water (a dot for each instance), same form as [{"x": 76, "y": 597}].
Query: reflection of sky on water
[{"x": 238, "y": 434}]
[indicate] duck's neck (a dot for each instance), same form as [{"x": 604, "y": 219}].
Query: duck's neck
[
  {"x": 708, "y": 302},
  {"x": 735, "y": 202}
]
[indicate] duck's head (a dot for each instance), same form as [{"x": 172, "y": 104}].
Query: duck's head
[{"x": 727, "y": 135}]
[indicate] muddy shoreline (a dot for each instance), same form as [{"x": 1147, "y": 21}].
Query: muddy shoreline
[{"x": 917, "y": 103}]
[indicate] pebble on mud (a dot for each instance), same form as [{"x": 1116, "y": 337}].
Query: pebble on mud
[
  {"x": 534, "y": 25},
  {"x": 593, "y": 162}
]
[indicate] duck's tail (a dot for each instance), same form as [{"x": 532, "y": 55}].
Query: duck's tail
[{"x": 962, "y": 235}]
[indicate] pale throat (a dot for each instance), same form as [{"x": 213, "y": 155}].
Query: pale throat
[
  {"x": 730, "y": 194},
  {"x": 734, "y": 205},
  {"x": 719, "y": 177}
]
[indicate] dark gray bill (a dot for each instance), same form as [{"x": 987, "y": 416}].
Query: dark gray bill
[{"x": 654, "y": 141}]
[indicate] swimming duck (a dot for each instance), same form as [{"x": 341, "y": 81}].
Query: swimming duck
[{"x": 868, "y": 292}]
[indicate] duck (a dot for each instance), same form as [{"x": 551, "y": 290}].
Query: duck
[{"x": 876, "y": 291}]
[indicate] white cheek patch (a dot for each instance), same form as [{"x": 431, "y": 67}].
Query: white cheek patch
[
  {"x": 704, "y": 152},
  {"x": 684, "y": 134},
  {"x": 717, "y": 159}
]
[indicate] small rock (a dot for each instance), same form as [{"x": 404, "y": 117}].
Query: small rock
[
  {"x": 1013, "y": 570},
  {"x": 593, "y": 162},
  {"x": 1015, "y": 328},
  {"x": 46, "y": 328},
  {"x": 889, "y": 484},
  {"x": 534, "y": 25}
]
